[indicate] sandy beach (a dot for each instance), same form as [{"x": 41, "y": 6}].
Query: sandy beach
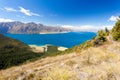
[
  {"x": 37, "y": 49},
  {"x": 40, "y": 49}
]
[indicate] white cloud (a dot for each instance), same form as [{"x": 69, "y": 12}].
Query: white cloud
[
  {"x": 21, "y": 10},
  {"x": 6, "y": 20},
  {"x": 27, "y": 12},
  {"x": 89, "y": 28},
  {"x": 113, "y": 18},
  {"x": 10, "y": 9}
]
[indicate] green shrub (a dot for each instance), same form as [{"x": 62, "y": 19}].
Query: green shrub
[{"x": 116, "y": 31}]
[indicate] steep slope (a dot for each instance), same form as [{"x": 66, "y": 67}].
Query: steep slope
[
  {"x": 14, "y": 52},
  {"x": 29, "y": 28},
  {"x": 94, "y": 63}
]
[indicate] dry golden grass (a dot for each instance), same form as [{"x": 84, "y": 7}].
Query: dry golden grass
[
  {"x": 59, "y": 73},
  {"x": 100, "y": 63}
]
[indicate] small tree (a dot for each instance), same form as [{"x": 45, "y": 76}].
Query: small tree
[
  {"x": 101, "y": 35},
  {"x": 107, "y": 31},
  {"x": 100, "y": 38},
  {"x": 116, "y": 31}
]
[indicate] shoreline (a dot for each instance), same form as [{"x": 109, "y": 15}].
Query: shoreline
[{"x": 38, "y": 49}]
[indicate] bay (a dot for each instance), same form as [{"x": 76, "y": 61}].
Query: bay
[{"x": 59, "y": 39}]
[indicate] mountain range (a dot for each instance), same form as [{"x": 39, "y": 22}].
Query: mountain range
[{"x": 29, "y": 28}]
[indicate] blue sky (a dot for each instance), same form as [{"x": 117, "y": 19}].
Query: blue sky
[{"x": 68, "y": 13}]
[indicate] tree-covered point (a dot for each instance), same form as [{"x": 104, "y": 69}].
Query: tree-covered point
[
  {"x": 14, "y": 52},
  {"x": 116, "y": 31}
]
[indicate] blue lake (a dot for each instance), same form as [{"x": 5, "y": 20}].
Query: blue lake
[{"x": 63, "y": 39}]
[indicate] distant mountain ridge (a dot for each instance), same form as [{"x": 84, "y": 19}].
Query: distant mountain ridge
[{"x": 29, "y": 28}]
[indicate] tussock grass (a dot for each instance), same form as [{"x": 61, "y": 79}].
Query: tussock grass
[
  {"x": 58, "y": 73},
  {"x": 94, "y": 63}
]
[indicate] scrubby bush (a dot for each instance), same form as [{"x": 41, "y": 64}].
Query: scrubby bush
[
  {"x": 107, "y": 32},
  {"x": 101, "y": 37},
  {"x": 116, "y": 31}
]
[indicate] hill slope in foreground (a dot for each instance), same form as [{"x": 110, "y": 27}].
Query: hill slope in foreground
[
  {"x": 94, "y": 63},
  {"x": 98, "y": 59}
]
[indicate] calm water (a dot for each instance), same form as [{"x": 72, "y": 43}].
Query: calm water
[{"x": 64, "y": 39}]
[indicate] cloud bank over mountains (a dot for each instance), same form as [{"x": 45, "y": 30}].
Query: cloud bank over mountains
[
  {"x": 88, "y": 28},
  {"x": 6, "y": 20}
]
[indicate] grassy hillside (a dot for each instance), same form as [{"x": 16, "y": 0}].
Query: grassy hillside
[
  {"x": 94, "y": 63},
  {"x": 97, "y": 59},
  {"x": 14, "y": 52}
]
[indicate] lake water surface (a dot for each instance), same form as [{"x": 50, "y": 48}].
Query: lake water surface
[{"x": 63, "y": 39}]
